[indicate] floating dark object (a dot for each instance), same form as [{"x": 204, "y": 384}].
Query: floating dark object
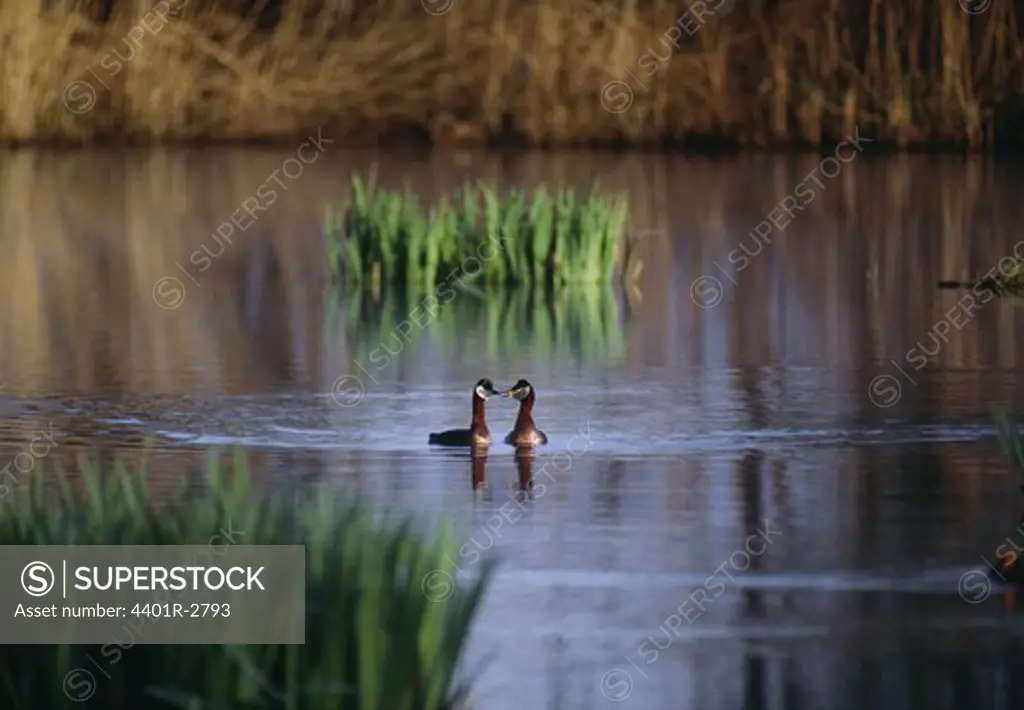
[{"x": 1009, "y": 282}]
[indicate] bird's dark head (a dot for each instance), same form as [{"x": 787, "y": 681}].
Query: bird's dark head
[
  {"x": 520, "y": 391},
  {"x": 484, "y": 389}
]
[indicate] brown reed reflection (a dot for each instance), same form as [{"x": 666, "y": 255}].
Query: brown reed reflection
[
  {"x": 88, "y": 236},
  {"x": 82, "y": 257}
]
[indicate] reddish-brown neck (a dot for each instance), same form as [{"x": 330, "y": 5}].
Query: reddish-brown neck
[
  {"x": 478, "y": 412},
  {"x": 525, "y": 411}
]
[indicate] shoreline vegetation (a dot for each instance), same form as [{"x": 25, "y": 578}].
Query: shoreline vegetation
[
  {"x": 368, "y": 583},
  {"x": 713, "y": 74}
]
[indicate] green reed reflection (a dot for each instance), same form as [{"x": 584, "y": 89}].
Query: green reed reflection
[{"x": 578, "y": 321}]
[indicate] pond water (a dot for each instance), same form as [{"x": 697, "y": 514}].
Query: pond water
[{"x": 772, "y": 458}]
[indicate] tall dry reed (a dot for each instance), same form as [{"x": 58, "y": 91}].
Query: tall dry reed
[{"x": 920, "y": 72}]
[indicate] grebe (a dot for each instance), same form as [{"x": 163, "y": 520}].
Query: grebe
[
  {"x": 525, "y": 432},
  {"x": 477, "y": 434}
]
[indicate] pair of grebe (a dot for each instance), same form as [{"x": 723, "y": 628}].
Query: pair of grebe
[{"x": 523, "y": 434}]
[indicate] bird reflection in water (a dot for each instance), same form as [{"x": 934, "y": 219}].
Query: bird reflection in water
[
  {"x": 1009, "y": 570},
  {"x": 479, "y": 458},
  {"x": 524, "y": 467}
]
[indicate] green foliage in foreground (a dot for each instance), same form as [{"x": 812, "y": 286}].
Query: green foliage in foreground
[
  {"x": 373, "y": 639},
  {"x": 385, "y": 238}
]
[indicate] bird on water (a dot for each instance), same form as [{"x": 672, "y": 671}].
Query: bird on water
[
  {"x": 477, "y": 435},
  {"x": 1007, "y": 283}
]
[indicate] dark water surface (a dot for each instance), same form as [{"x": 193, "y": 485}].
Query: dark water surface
[{"x": 795, "y": 442}]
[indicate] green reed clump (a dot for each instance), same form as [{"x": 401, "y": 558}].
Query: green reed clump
[
  {"x": 373, "y": 638},
  {"x": 550, "y": 237}
]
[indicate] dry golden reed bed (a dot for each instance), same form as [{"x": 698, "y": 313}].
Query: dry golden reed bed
[{"x": 757, "y": 73}]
